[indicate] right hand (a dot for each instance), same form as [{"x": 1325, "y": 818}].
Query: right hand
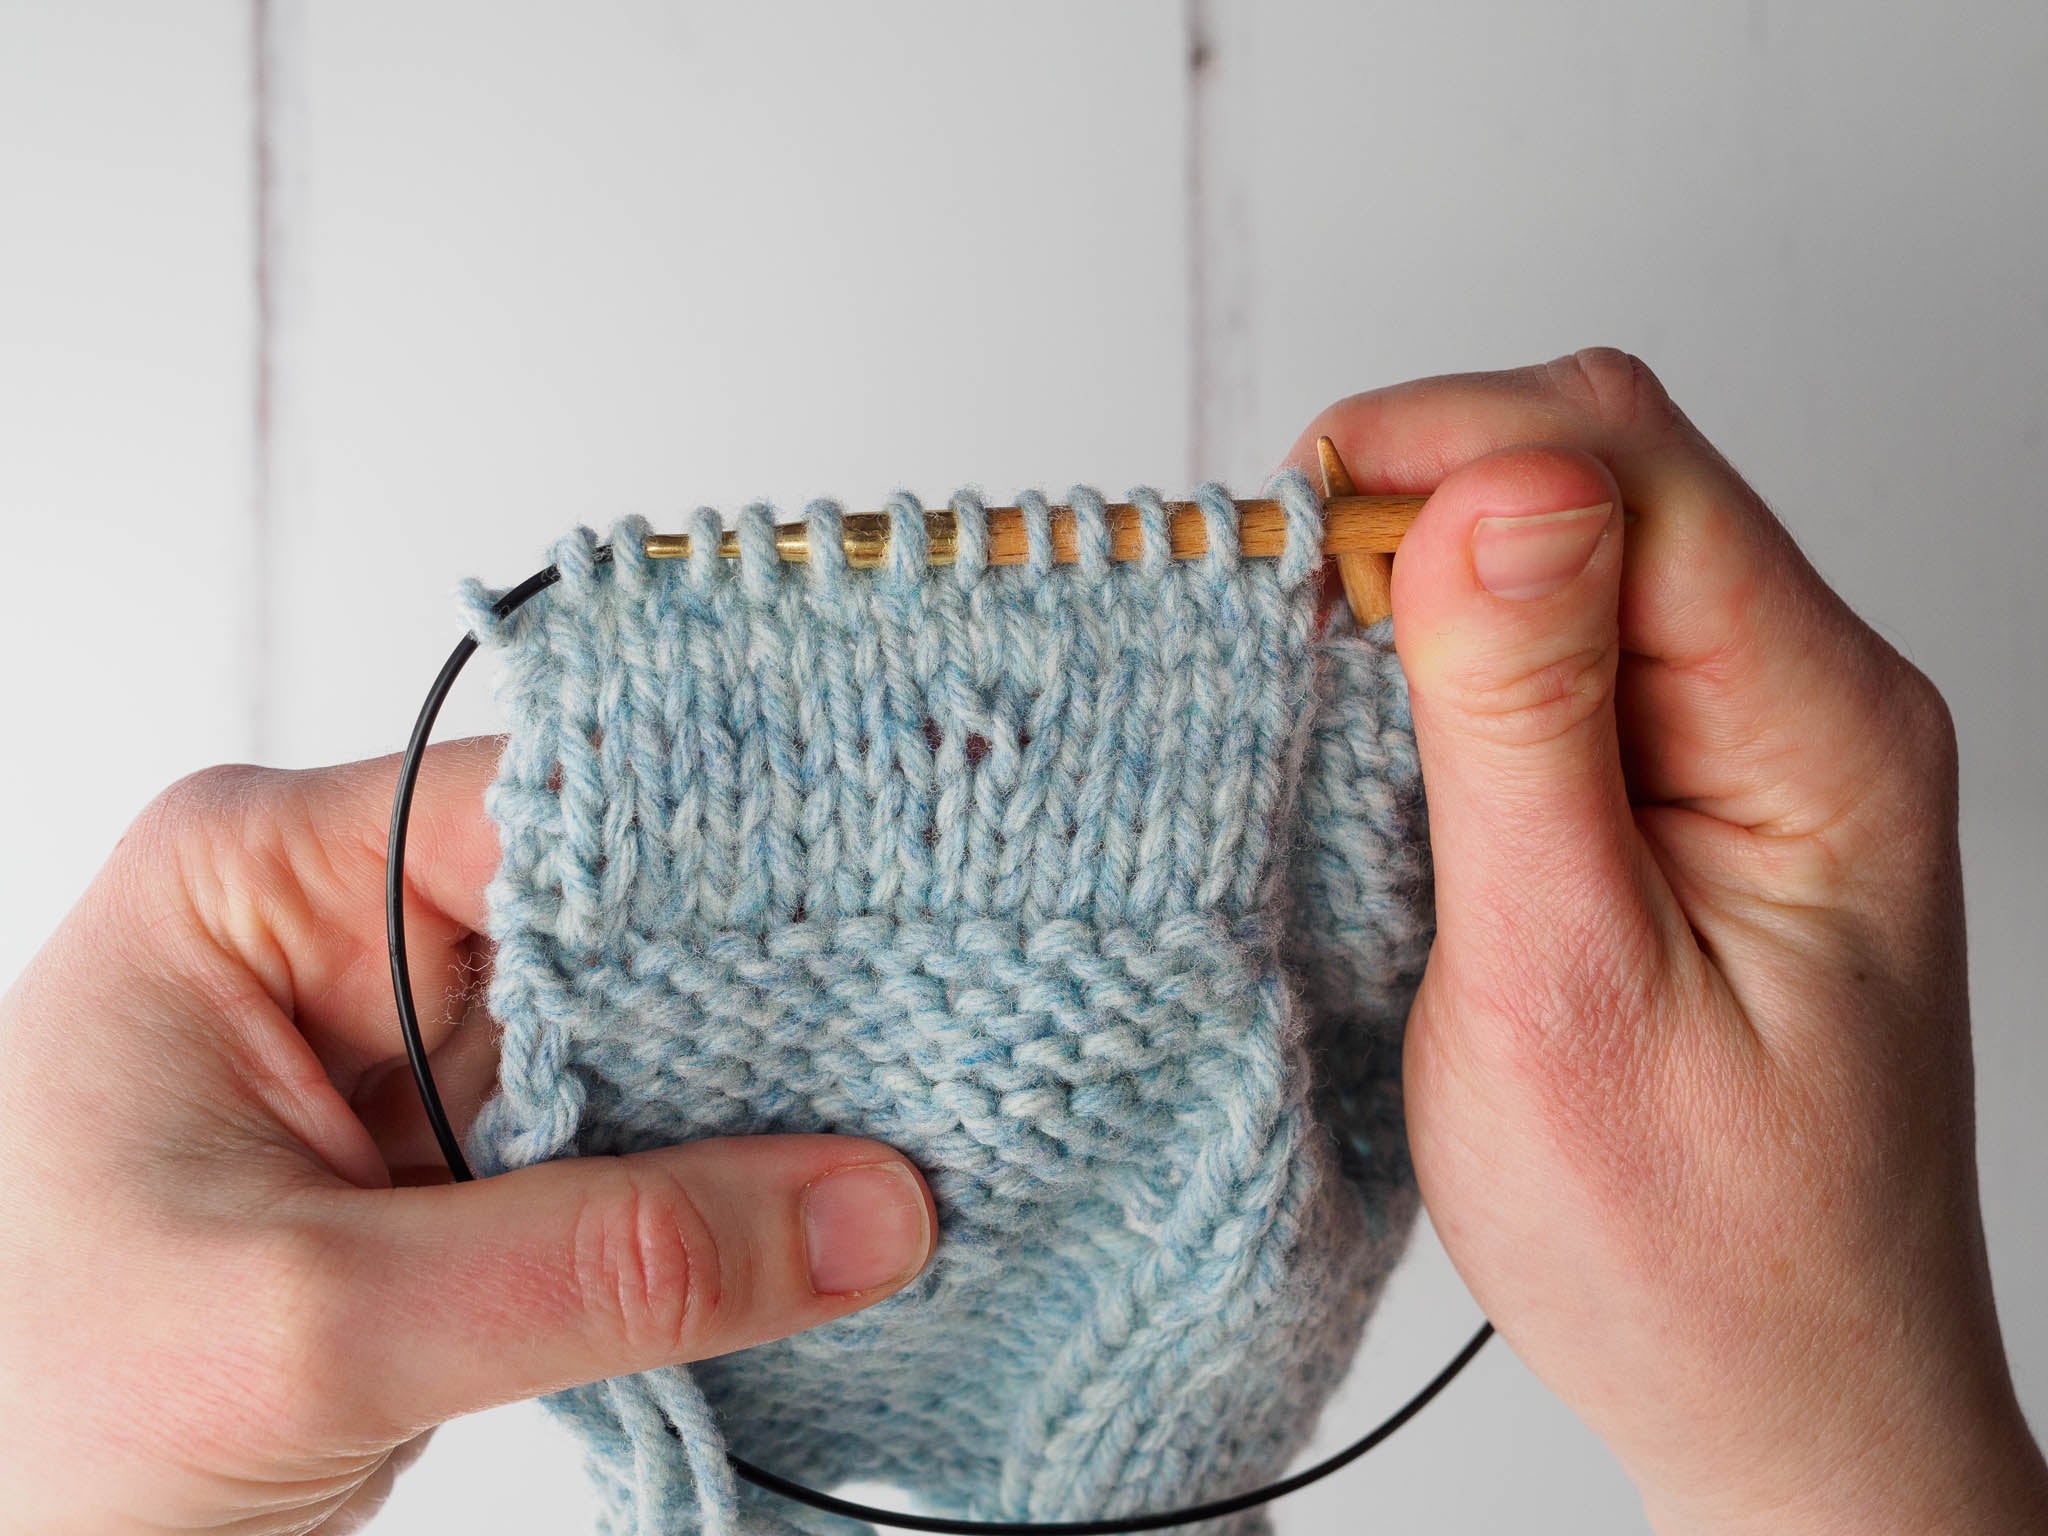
[{"x": 1688, "y": 1077}]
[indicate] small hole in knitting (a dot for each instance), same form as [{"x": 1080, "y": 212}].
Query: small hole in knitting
[
  {"x": 800, "y": 913},
  {"x": 933, "y": 738},
  {"x": 1023, "y": 740},
  {"x": 977, "y": 747}
]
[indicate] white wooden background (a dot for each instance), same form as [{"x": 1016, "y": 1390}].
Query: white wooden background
[{"x": 308, "y": 309}]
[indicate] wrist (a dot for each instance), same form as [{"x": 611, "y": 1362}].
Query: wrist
[{"x": 1986, "y": 1480}]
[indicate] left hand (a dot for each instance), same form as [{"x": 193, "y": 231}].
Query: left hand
[{"x": 225, "y": 1298}]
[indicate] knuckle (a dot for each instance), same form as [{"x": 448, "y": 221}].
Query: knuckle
[
  {"x": 1927, "y": 714},
  {"x": 645, "y": 1264},
  {"x": 199, "y": 801},
  {"x": 188, "y": 857},
  {"x": 191, "y": 826},
  {"x": 1613, "y": 387},
  {"x": 1925, "y": 728},
  {"x": 1525, "y": 703}
]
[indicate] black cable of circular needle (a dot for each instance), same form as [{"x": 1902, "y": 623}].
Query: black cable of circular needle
[{"x": 458, "y": 1166}]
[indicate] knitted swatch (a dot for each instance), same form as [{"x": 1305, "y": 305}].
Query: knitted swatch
[{"x": 1098, "y": 889}]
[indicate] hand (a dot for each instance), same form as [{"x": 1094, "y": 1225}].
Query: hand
[
  {"x": 1688, "y": 1078},
  {"x": 225, "y": 1296}
]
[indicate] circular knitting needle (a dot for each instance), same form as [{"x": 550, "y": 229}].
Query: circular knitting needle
[{"x": 460, "y": 1171}]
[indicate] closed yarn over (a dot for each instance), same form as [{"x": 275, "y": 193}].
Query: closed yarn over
[{"x": 1101, "y": 890}]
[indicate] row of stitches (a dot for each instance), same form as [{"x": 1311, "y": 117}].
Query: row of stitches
[{"x": 908, "y": 555}]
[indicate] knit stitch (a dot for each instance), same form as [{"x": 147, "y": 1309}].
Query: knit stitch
[{"x": 1098, "y": 889}]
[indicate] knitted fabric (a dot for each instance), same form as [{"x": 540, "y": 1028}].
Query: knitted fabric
[{"x": 1098, "y": 889}]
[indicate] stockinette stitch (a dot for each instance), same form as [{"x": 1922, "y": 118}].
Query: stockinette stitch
[{"x": 1100, "y": 890}]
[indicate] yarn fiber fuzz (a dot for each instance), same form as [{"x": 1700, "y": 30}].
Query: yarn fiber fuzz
[{"x": 1099, "y": 889}]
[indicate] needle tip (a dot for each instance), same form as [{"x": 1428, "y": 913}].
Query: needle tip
[{"x": 1336, "y": 478}]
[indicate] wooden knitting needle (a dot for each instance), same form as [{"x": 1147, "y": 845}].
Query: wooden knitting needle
[
  {"x": 1368, "y": 575},
  {"x": 1352, "y": 526}
]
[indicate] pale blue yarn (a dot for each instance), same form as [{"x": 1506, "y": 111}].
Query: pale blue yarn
[{"x": 1099, "y": 889}]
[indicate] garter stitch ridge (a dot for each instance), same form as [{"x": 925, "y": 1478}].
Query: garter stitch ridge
[{"x": 1099, "y": 889}]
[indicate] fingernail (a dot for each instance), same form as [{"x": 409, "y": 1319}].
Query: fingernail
[
  {"x": 864, "y": 1227},
  {"x": 1534, "y": 555}
]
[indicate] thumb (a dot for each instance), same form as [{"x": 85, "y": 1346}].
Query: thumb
[
  {"x": 1506, "y": 611},
  {"x": 467, "y": 1296}
]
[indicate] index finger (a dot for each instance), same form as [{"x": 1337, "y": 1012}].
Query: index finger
[
  {"x": 286, "y": 868},
  {"x": 1747, "y": 686}
]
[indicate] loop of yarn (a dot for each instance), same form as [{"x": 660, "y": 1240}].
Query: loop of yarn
[
  {"x": 1038, "y": 533},
  {"x": 970, "y": 519},
  {"x": 1219, "y": 522},
  {"x": 909, "y": 540},
  {"x": 825, "y": 545},
  {"x": 1303, "y": 551},
  {"x": 1091, "y": 532},
  {"x": 1155, "y": 547},
  {"x": 1100, "y": 889},
  {"x": 760, "y": 568},
  {"x": 704, "y": 528}
]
